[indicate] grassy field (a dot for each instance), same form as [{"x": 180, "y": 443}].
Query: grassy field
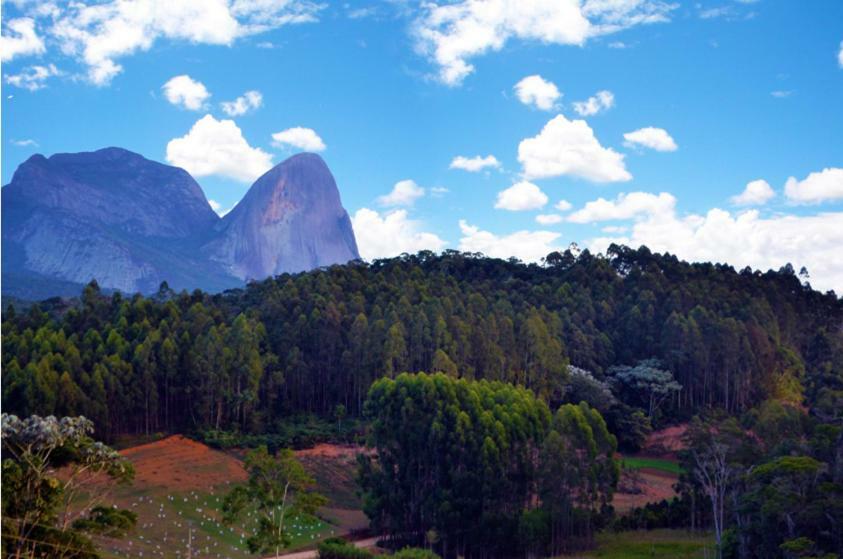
[
  {"x": 654, "y": 544},
  {"x": 636, "y": 463},
  {"x": 177, "y": 495},
  {"x": 167, "y": 522}
]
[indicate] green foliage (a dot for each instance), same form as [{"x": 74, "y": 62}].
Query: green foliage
[
  {"x": 779, "y": 490},
  {"x": 305, "y": 344},
  {"x": 655, "y": 544},
  {"x": 107, "y": 521},
  {"x": 338, "y": 548},
  {"x": 38, "y": 520},
  {"x": 279, "y": 489},
  {"x": 452, "y": 455},
  {"x": 456, "y": 458},
  {"x": 295, "y": 432},
  {"x": 414, "y": 553}
]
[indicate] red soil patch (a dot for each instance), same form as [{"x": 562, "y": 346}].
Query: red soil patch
[
  {"x": 665, "y": 442},
  {"x": 326, "y": 450},
  {"x": 655, "y": 486},
  {"x": 180, "y": 464}
]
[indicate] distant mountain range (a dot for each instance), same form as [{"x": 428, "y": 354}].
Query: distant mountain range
[{"x": 131, "y": 223}]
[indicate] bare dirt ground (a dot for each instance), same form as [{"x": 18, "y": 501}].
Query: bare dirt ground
[
  {"x": 654, "y": 486},
  {"x": 651, "y": 485},
  {"x": 181, "y": 464}
]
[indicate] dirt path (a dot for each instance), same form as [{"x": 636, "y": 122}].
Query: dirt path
[{"x": 312, "y": 553}]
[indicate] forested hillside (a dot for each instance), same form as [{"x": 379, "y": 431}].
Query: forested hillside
[{"x": 308, "y": 343}]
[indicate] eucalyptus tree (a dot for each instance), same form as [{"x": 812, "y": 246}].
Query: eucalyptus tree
[{"x": 280, "y": 490}]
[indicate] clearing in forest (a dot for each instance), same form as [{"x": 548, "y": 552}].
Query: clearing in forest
[{"x": 178, "y": 493}]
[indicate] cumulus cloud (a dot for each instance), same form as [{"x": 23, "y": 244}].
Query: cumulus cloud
[
  {"x": 33, "y": 78},
  {"x": 98, "y": 34},
  {"x": 390, "y": 234},
  {"x": 529, "y": 246},
  {"x": 757, "y": 192},
  {"x": 569, "y": 147},
  {"x": 298, "y": 137},
  {"x": 450, "y": 34},
  {"x": 817, "y": 187},
  {"x": 404, "y": 193},
  {"x": 521, "y": 196},
  {"x": 19, "y": 38},
  {"x": 249, "y": 101},
  {"x": 745, "y": 239},
  {"x": 625, "y": 206},
  {"x": 217, "y": 147},
  {"x": 538, "y": 92},
  {"x": 650, "y": 137},
  {"x": 563, "y": 205},
  {"x": 186, "y": 92},
  {"x": 599, "y": 102},
  {"x": 474, "y": 164},
  {"x": 548, "y": 219}
]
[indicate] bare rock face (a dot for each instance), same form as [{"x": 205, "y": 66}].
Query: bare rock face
[
  {"x": 110, "y": 215},
  {"x": 291, "y": 220},
  {"x": 131, "y": 223}
]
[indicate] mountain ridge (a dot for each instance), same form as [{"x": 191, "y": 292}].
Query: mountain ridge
[{"x": 132, "y": 223}]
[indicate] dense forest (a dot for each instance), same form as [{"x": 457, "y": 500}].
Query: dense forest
[
  {"x": 308, "y": 343},
  {"x": 530, "y": 366}
]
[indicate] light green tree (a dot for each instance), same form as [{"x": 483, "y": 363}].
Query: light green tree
[{"x": 280, "y": 490}]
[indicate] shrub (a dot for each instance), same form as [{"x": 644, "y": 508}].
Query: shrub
[
  {"x": 414, "y": 553},
  {"x": 338, "y": 548}
]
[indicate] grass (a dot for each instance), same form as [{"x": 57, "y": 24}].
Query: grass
[
  {"x": 654, "y": 544},
  {"x": 166, "y": 521},
  {"x": 636, "y": 463}
]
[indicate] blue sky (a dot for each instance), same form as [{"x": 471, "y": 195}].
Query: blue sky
[{"x": 712, "y": 97}]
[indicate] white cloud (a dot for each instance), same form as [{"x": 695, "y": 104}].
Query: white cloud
[
  {"x": 450, "y": 34},
  {"x": 474, "y": 164},
  {"x": 249, "y": 101},
  {"x": 745, "y": 239},
  {"x": 538, "y": 92},
  {"x": 33, "y": 78},
  {"x": 757, "y": 192},
  {"x": 625, "y": 206},
  {"x": 781, "y": 93},
  {"x": 217, "y": 207},
  {"x": 548, "y": 219},
  {"x": 98, "y": 34},
  {"x": 563, "y": 205},
  {"x": 404, "y": 193},
  {"x": 529, "y": 246},
  {"x": 19, "y": 38},
  {"x": 840, "y": 55},
  {"x": 390, "y": 234},
  {"x": 298, "y": 137},
  {"x": 521, "y": 196},
  {"x": 569, "y": 147},
  {"x": 817, "y": 187},
  {"x": 600, "y": 101},
  {"x": 217, "y": 147},
  {"x": 650, "y": 137},
  {"x": 614, "y": 229},
  {"x": 185, "y": 91},
  {"x": 438, "y": 191},
  {"x": 24, "y": 143}
]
